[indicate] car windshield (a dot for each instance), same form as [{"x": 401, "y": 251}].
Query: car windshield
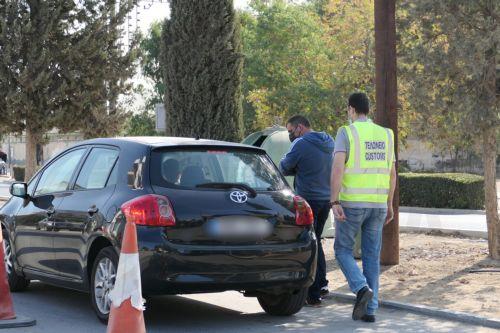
[{"x": 190, "y": 168}]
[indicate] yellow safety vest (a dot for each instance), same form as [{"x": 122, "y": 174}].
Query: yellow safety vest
[{"x": 368, "y": 168}]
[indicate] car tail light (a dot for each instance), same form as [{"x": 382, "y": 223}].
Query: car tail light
[
  {"x": 151, "y": 210},
  {"x": 303, "y": 212}
]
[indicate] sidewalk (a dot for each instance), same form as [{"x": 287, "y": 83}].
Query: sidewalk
[
  {"x": 5, "y": 182},
  {"x": 470, "y": 223}
]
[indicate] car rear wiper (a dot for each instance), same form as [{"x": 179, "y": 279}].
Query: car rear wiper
[{"x": 242, "y": 186}]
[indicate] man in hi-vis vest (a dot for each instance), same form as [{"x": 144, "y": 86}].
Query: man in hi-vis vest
[{"x": 363, "y": 182}]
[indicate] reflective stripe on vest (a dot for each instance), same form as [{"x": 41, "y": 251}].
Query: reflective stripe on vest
[
  {"x": 368, "y": 171},
  {"x": 365, "y": 190},
  {"x": 367, "y": 176}
]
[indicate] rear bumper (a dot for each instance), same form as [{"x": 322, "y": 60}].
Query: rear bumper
[{"x": 169, "y": 268}]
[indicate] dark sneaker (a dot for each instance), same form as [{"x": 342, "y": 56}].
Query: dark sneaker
[
  {"x": 324, "y": 291},
  {"x": 313, "y": 302},
  {"x": 362, "y": 298},
  {"x": 368, "y": 318}
]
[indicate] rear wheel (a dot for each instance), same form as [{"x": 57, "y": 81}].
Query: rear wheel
[
  {"x": 16, "y": 282},
  {"x": 102, "y": 282},
  {"x": 283, "y": 304}
]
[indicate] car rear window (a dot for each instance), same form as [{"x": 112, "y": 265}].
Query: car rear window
[{"x": 189, "y": 168}]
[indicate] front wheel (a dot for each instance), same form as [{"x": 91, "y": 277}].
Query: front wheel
[
  {"x": 16, "y": 282},
  {"x": 102, "y": 282},
  {"x": 283, "y": 304}
]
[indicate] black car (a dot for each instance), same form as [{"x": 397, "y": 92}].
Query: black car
[{"x": 211, "y": 216}]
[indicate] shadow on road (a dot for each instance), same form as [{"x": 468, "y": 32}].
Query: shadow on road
[{"x": 60, "y": 310}]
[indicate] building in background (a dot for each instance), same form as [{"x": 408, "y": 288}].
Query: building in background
[
  {"x": 418, "y": 156},
  {"x": 161, "y": 118},
  {"x": 15, "y": 146},
  {"x": 415, "y": 156}
]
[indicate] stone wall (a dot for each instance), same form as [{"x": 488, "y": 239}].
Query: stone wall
[
  {"x": 418, "y": 155},
  {"x": 15, "y": 146}
]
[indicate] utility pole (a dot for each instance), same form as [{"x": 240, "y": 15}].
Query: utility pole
[{"x": 386, "y": 107}]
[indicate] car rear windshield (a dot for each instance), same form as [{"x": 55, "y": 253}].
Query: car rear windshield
[{"x": 190, "y": 168}]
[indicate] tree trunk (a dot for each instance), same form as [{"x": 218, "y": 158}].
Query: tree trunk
[
  {"x": 490, "y": 191},
  {"x": 31, "y": 165}
]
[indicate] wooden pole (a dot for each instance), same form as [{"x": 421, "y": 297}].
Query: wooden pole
[{"x": 386, "y": 106}]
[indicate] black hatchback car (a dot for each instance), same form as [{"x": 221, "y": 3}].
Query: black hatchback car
[{"x": 211, "y": 216}]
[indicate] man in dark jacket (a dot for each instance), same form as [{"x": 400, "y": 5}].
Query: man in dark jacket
[
  {"x": 3, "y": 160},
  {"x": 310, "y": 161}
]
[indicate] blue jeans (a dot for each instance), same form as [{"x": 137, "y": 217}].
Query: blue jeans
[
  {"x": 371, "y": 223},
  {"x": 321, "y": 209}
]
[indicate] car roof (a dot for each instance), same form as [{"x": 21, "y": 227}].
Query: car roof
[{"x": 164, "y": 141}]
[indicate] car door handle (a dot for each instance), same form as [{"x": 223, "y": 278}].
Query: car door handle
[
  {"x": 50, "y": 211},
  {"x": 92, "y": 210}
]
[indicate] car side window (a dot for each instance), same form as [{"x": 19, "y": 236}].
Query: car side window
[
  {"x": 57, "y": 176},
  {"x": 113, "y": 177},
  {"x": 96, "y": 169},
  {"x": 32, "y": 183}
]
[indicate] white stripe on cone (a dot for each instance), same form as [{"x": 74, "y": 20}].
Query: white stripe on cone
[{"x": 128, "y": 282}]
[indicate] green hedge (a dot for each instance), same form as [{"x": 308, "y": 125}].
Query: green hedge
[
  {"x": 441, "y": 190},
  {"x": 18, "y": 173}
]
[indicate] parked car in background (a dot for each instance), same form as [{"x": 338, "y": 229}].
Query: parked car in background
[
  {"x": 3, "y": 168},
  {"x": 211, "y": 216}
]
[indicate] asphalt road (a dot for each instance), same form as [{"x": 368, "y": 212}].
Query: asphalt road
[{"x": 59, "y": 310}]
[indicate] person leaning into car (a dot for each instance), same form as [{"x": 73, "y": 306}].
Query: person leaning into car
[
  {"x": 363, "y": 182},
  {"x": 310, "y": 161}
]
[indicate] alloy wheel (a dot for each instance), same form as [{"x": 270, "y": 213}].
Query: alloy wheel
[
  {"x": 104, "y": 282},
  {"x": 7, "y": 256}
]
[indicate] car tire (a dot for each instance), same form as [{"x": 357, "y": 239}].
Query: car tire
[
  {"x": 102, "y": 281},
  {"x": 16, "y": 282},
  {"x": 283, "y": 304}
]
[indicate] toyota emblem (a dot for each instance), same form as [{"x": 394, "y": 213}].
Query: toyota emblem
[{"x": 238, "y": 196}]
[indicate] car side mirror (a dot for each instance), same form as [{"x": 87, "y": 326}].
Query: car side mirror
[{"x": 19, "y": 190}]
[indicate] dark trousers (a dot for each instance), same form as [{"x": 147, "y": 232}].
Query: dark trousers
[{"x": 321, "y": 209}]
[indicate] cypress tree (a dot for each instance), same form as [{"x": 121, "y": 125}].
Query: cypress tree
[
  {"x": 202, "y": 65},
  {"x": 61, "y": 67}
]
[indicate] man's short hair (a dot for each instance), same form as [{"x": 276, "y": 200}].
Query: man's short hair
[
  {"x": 360, "y": 103},
  {"x": 298, "y": 119}
]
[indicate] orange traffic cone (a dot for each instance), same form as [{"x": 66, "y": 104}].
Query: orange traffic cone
[
  {"x": 6, "y": 307},
  {"x": 8, "y": 318},
  {"x": 127, "y": 304}
]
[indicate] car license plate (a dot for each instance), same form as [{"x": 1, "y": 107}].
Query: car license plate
[{"x": 239, "y": 227}]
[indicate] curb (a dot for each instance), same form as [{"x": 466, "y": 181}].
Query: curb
[
  {"x": 465, "y": 233},
  {"x": 431, "y": 311},
  {"x": 330, "y": 233},
  {"x": 19, "y": 321},
  {"x": 440, "y": 211}
]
